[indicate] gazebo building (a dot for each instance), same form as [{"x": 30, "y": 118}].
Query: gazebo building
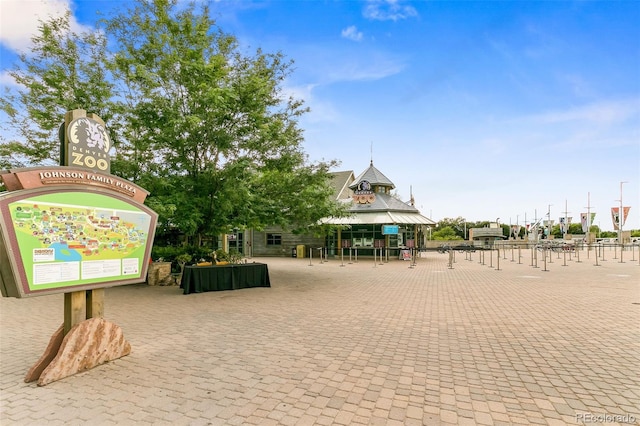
[{"x": 377, "y": 220}]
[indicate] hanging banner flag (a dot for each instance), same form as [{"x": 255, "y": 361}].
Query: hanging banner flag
[
  {"x": 625, "y": 213},
  {"x": 586, "y": 223},
  {"x": 615, "y": 217},
  {"x": 563, "y": 225}
]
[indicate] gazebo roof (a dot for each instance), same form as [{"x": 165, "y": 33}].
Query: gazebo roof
[
  {"x": 383, "y": 208},
  {"x": 383, "y": 202},
  {"x": 380, "y": 217},
  {"x": 374, "y": 177}
]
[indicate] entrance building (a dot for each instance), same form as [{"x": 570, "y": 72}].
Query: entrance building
[{"x": 377, "y": 220}]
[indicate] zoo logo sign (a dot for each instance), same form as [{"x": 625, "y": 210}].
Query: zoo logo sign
[{"x": 89, "y": 144}]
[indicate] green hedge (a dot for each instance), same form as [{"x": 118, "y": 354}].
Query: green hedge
[{"x": 169, "y": 253}]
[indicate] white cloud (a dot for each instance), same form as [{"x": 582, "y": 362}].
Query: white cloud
[
  {"x": 578, "y": 85},
  {"x": 337, "y": 64},
  {"x": 603, "y": 113},
  {"x": 352, "y": 33},
  {"x": 6, "y": 80},
  {"x": 388, "y": 10},
  {"x": 321, "y": 111},
  {"x": 19, "y": 20},
  {"x": 364, "y": 69}
]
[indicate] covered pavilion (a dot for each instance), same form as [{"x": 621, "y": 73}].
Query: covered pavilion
[{"x": 377, "y": 219}]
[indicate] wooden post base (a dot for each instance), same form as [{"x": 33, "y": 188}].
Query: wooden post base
[{"x": 90, "y": 343}]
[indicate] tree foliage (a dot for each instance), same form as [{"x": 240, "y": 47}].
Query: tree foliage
[
  {"x": 64, "y": 71},
  {"x": 220, "y": 142},
  {"x": 204, "y": 127},
  {"x": 446, "y": 233}
]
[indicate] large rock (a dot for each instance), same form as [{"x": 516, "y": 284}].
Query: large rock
[{"x": 88, "y": 344}]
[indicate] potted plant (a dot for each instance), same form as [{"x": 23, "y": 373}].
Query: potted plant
[
  {"x": 235, "y": 257},
  {"x": 183, "y": 259},
  {"x": 221, "y": 257}
]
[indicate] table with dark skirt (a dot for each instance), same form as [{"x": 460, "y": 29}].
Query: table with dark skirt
[{"x": 198, "y": 279}]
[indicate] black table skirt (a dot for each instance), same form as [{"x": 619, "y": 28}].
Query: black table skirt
[{"x": 198, "y": 279}]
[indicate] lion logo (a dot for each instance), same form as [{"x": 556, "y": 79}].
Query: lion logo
[{"x": 90, "y": 133}]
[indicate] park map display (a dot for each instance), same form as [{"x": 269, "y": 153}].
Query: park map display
[{"x": 87, "y": 238}]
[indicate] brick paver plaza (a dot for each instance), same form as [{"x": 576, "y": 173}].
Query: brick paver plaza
[{"x": 363, "y": 343}]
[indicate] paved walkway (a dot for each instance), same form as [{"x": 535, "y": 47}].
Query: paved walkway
[{"x": 365, "y": 343}]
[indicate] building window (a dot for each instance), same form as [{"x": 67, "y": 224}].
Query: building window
[{"x": 274, "y": 239}]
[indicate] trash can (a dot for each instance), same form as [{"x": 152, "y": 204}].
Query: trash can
[
  {"x": 301, "y": 251},
  {"x": 294, "y": 252}
]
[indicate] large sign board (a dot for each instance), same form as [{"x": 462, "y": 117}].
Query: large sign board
[{"x": 67, "y": 238}]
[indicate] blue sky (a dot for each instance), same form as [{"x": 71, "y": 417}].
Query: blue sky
[{"x": 483, "y": 110}]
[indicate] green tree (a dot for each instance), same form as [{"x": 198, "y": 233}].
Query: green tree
[
  {"x": 63, "y": 71},
  {"x": 457, "y": 225},
  {"x": 575, "y": 229},
  {"x": 446, "y": 233},
  {"x": 202, "y": 126},
  {"x": 209, "y": 131}
]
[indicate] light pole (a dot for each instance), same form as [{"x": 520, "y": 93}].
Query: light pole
[
  {"x": 465, "y": 229},
  {"x": 620, "y": 220},
  {"x": 549, "y": 222},
  {"x": 620, "y": 216}
]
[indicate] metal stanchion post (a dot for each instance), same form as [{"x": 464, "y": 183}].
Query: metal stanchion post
[
  {"x": 450, "y": 264},
  {"x": 545, "y": 260},
  {"x": 341, "y": 256},
  {"x": 531, "y": 253},
  {"x": 519, "y": 256},
  {"x": 498, "y": 259},
  {"x": 310, "y": 256},
  {"x": 621, "y": 251}
]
